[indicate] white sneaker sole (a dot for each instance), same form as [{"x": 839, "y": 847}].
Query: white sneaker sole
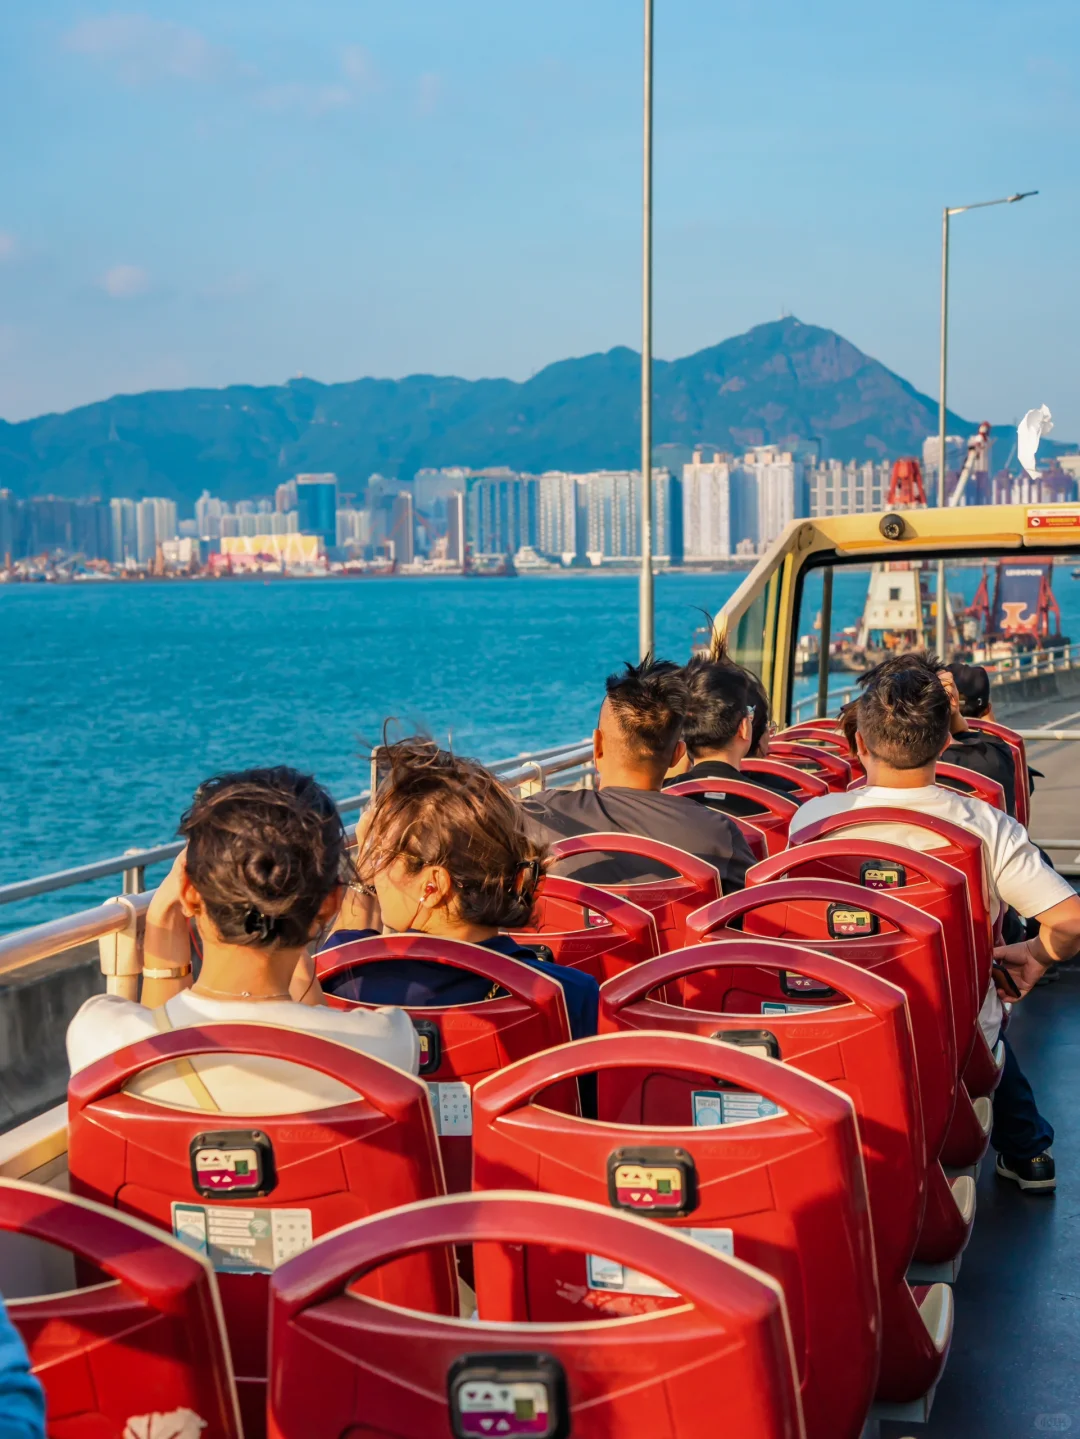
[{"x": 1045, "y": 1185}]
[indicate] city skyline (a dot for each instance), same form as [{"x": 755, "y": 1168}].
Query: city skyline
[{"x": 212, "y": 193}]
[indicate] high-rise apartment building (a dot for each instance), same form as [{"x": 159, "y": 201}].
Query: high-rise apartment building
[
  {"x": 285, "y": 497},
  {"x": 562, "y": 516},
  {"x": 706, "y": 497},
  {"x": 612, "y": 509},
  {"x": 125, "y": 541},
  {"x": 402, "y": 528},
  {"x": 456, "y": 550},
  {"x": 10, "y": 538},
  {"x": 502, "y": 512},
  {"x": 836, "y": 488},
  {"x": 208, "y": 513},
  {"x": 778, "y": 481},
  {"x": 317, "y": 503}
]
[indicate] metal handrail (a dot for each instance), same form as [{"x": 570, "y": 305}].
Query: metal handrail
[
  {"x": 1001, "y": 672},
  {"x": 42, "y": 941},
  {"x": 513, "y": 772}
]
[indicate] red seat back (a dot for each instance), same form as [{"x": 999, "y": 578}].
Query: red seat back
[
  {"x": 907, "y": 949},
  {"x": 324, "y": 1168},
  {"x": 148, "y": 1341},
  {"x": 462, "y": 1043},
  {"x": 822, "y": 734},
  {"x": 1019, "y": 755},
  {"x": 669, "y": 901},
  {"x": 861, "y": 1044},
  {"x": 776, "y": 809},
  {"x": 788, "y": 1192},
  {"x": 951, "y": 843},
  {"x": 808, "y": 785},
  {"x": 834, "y": 769},
  {"x": 344, "y": 1365},
  {"x": 589, "y": 928}
]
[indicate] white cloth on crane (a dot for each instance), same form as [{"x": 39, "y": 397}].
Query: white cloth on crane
[{"x": 1030, "y": 430}]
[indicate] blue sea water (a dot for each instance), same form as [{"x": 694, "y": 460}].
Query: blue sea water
[{"x": 117, "y": 699}]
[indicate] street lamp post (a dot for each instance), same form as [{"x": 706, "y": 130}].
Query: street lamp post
[
  {"x": 946, "y": 215},
  {"x": 645, "y": 593}
]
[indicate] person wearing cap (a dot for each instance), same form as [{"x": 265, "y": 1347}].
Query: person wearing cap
[{"x": 968, "y": 688}]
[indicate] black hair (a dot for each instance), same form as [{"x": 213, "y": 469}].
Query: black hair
[
  {"x": 973, "y": 685},
  {"x": 265, "y": 848},
  {"x": 721, "y": 697},
  {"x": 903, "y": 711},
  {"x": 757, "y": 695},
  {"x": 649, "y": 702}
]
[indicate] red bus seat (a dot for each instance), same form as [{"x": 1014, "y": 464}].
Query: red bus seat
[
  {"x": 589, "y": 928},
  {"x": 787, "y": 1192},
  {"x": 1020, "y": 770},
  {"x": 808, "y": 785},
  {"x": 824, "y": 734},
  {"x": 343, "y": 1365},
  {"x": 309, "y": 1173},
  {"x": 776, "y": 809},
  {"x": 149, "y": 1341},
  {"x": 861, "y": 1044},
  {"x": 963, "y": 850},
  {"x": 834, "y": 769},
  {"x": 907, "y": 949},
  {"x": 669, "y": 901},
  {"x": 461, "y": 1043}
]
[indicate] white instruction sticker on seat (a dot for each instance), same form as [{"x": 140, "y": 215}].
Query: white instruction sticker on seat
[
  {"x": 615, "y": 1278},
  {"x": 770, "y": 1006},
  {"x": 243, "y": 1241},
  {"x": 730, "y": 1106},
  {"x": 451, "y": 1103}
]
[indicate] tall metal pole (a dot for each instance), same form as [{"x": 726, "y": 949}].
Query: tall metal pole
[
  {"x": 944, "y": 354},
  {"x": 646, "y": 631}
]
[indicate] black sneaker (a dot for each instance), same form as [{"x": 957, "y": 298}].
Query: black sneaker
[{"x": 1038, "y": 1173}]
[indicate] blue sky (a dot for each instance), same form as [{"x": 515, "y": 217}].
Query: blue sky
[{"x": 214, "y": 191}]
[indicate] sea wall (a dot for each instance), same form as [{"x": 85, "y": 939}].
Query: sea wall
[
  {"x": 36, "y": 1003},
  {"x": 1019, "y": 694}
]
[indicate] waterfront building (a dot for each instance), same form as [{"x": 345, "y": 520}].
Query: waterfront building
[
  {"x": 455, "y": 528},
  {"x": 501, "y": 512},
  {"x": 10, "y": 537},
  {"x": 433, "y": 487},
  {"x": 124, "y": 531},
  {"x": 836, "y": 488},
  {"x": 285, "y": 498},
  {"x": 317, "y": 504},
  {"x": 353, "y": 530},
  {"x": 770, "y": 491},
  {"x": 706, "y": 505},
  {"x": 562, "y": 516},
  {"x": 403, "y": 528},
  {"x": 208, "y": 515}
]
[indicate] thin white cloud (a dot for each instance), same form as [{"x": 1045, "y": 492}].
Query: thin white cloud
[
  {"x": 141, "y": 50},
  {"x": 8, "y": 247},
  {"x": 307, "y": 99},
  {"x": 125, "y": 282},
  {"x": 359, "y": 70}
]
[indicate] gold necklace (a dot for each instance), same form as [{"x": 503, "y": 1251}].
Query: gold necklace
[{"x": 230, "y": 994}]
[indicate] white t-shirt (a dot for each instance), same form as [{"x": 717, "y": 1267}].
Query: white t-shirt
[
  {"x": 1016, "y": 872},
  {"x": 242, "y": 1084}
]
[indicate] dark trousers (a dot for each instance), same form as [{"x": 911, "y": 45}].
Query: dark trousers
[{"x": 1019, "y": 1129}]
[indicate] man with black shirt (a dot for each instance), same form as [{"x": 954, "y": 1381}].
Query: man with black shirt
[
  {"x": 726, "y": 718},
  {"x": 968, "y": 688},
  {"x": 637, "y": 740}
]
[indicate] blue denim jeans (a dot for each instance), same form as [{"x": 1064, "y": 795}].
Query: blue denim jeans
[{"x": 1019, "y": 1131}]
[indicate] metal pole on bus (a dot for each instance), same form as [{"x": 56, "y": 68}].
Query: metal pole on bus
[{"x": 646, "y": 628}]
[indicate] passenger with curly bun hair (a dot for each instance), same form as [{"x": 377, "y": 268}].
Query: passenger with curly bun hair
[
  {"x": 261, "y": 876},
  {"x": 444, "y": 850}
]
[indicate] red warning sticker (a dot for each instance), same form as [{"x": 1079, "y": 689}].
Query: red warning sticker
[{"x": 1061, "y": 517}]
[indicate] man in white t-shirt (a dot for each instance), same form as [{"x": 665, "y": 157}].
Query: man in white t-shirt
[
  {"x": 244, "y": 1084},
  {"x": 902, "y": 726}
]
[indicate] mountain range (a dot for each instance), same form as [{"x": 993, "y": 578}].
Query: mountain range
[{"x": 778, "y": 383}]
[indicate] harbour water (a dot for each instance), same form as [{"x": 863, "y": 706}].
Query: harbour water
[{"x": 117, "y": 699}]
